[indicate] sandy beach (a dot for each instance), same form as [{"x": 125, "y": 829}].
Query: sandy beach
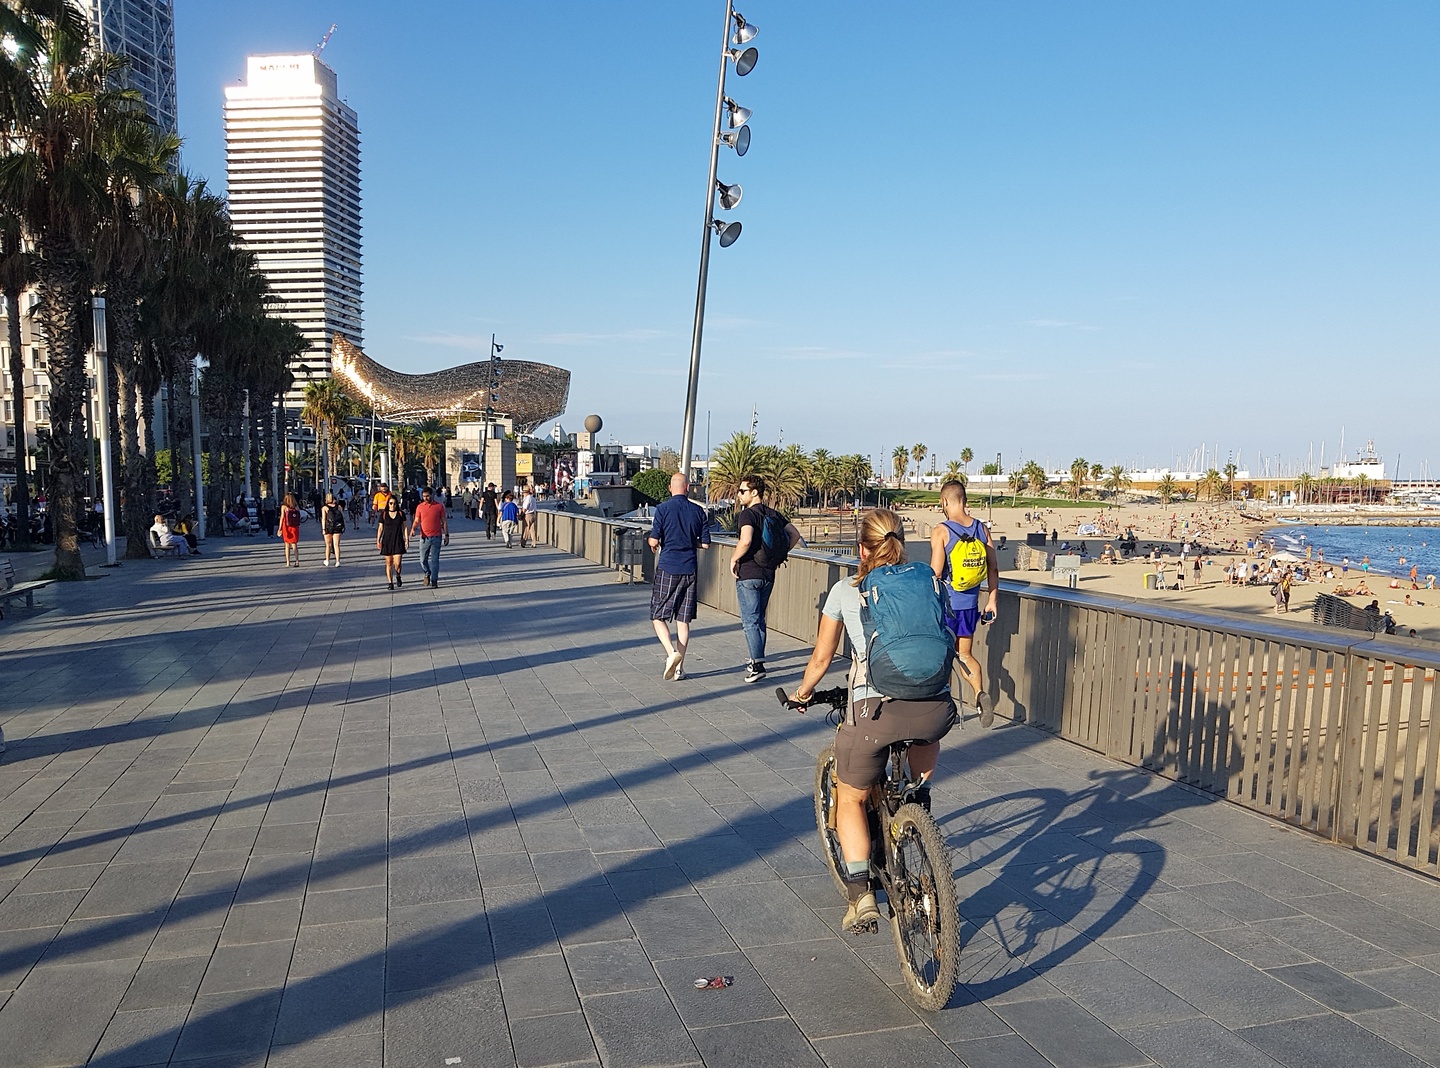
[{"x": 1166, "y": 527}]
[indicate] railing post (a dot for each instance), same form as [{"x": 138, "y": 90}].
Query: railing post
[{"x": 1348, "y": 784}]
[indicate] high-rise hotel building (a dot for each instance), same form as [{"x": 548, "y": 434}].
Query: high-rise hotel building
[{"x": 292, "y": 164}]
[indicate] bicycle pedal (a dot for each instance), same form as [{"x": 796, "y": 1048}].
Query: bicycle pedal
[{"x": 868, "y": 927}]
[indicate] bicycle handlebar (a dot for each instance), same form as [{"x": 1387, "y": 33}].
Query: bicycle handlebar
[{"x": 836, "y": 697}]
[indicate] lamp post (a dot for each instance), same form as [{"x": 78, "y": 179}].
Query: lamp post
[
  {"x": 107, "y": 473},
  {"x": 729, "y": 195},
  {"x": 197, "y": 365}
]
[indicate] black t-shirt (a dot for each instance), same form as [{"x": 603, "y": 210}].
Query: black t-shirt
[
  {"x": 754, "y": 517},
  {"x": 488, "y": 502}
]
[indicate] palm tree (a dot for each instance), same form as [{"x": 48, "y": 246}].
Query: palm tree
[
  {"x": 60, "y": 108},
  {"x": 1230, "y": 472},
  {"x": 966, "y": 455},
  {"x": 918, "y": 452},
  {"x": 1305, "y": 485},
  {"x": 1036, "y": 478},
  {"x": 1079, "y": 471},
  {"x": 1118, "y": 480},
  {"x": 731, "y": 461},
  {"x": 15, "y": 277},
  {"x": 1167, "y": 487},
  {"x": 857, "y": 473},
  {"x": 899, "y": 460},
  {"x": 789, "y": 474},
  {"x": 430, "y": 447},
  {"x": 1017, "y": 483},
  {"x": 405, "y": 441},
  {"x": 953, "y": 471},
  {"x": 1212, "y": 485}
]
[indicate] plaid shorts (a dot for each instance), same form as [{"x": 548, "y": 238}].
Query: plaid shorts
[{"x": 672, "y": 597}]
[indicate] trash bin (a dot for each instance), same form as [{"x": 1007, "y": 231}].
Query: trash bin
[
  {"x": 629, "y": 549},
  {"x": 1150, "y": 580}
]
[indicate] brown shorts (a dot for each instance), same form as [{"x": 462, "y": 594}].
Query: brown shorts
[{"x": 862, "y": 748}]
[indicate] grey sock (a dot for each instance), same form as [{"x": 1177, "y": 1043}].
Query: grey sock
[{"x": 857, "y": 868}]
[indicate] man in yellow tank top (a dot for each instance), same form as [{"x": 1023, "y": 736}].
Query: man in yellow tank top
[{"x": 962, "y": 554}]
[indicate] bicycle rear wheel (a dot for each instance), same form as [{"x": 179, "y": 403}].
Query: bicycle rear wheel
[
  {"x": 925, "y": 915},
  {"x": 824, "y": 809}
]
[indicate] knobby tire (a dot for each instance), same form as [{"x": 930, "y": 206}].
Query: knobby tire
[
  {"x": 925, "y": 919},
  {"x": 824, "y": 804}
]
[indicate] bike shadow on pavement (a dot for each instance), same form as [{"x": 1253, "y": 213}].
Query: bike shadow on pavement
[{"x": 1042, "y": 873}]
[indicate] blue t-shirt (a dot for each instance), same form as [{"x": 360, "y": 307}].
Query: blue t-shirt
[
  {"x": 679, "y": 527},
  {"x": 509, "y": 512}
]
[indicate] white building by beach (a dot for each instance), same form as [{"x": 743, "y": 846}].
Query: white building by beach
[
  {"x": 292, "y": 165},
  {"x": 143, "y": 31}
]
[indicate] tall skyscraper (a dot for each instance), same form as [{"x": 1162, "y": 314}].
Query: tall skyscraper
[
  {"x": 292, "y": 165},
  {"x": 143, "y": 30}
]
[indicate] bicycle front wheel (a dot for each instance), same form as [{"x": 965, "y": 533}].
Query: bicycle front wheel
[
  {"x": 925, "y": 915},
  {"x": 824, "y": 815}
]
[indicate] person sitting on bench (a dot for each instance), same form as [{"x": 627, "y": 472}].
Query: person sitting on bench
[{"x": 164, "y": 537}]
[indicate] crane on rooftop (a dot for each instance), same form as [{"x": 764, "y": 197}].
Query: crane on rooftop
[{"x": 325, "y": 40}]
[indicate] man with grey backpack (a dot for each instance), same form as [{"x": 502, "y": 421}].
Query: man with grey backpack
[{"x": 765, "y": 541}]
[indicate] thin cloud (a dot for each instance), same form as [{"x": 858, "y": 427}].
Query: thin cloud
[
  {"x": 818, "y": 353},
  {"x": 1059, "y": 324},
  {"x": 473, "y": 342}
]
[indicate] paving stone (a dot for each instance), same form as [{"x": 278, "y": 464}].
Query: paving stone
[
  {"x": 809, "y": 973},
  {"x": 1118, "y": 995},
  {"x": 1331, "y": 988},
  {"x": 21, "y": 911},
  {"x": 421, "y": 880},
  {"x": 141, "y": 1037},
  {"x": 1069, "y": 1036},
  {"x": 162, "y": 983},
  {"x": 262, "y": 921},
  {"x": 756, "y": 1044},
  {"x": 638, "y": 1029},
  {"x": 1413, "y": 1031},
  {"x": 763, "y": 914},
  {"x": 677, "y": 927},
  {"x": 536, "y": 986},
  {"x": 58, "y": 1014},
  {"x": 433, "y": 945},
  {"x": 610, "y": 967},
  {"x": 1326, "y": 1042},
  {"x": 1197, "y": 1044},
  {"x": 221, "y": 1025},
  {"x": 110, "y": 938},
  {"x": 748, "y": 999},
  {"x": 348, "y": 1000},
  {"x": 1319, "y": 940},
  {"x": 426, "y": 1027},
  {"x": 351, "y": 1051},
  {"x": 1002, "y": 1051},
  {"x": 552, "y": 1040},
  {"x": 251, "y": 966},
  {"x": 1415, "y": 986}
]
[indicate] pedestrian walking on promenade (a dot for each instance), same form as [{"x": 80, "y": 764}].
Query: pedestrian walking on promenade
[
  {"x": 528, "y": 509},
  {"x": 390, "y": 540},
  {"x": 290, "y": 529},
  {"x": 377, "y": 502},
  {"x": 332, "y": 525},
  {"x": 434, "y": 527},
  {"x": 509, "y": 519},
  {"x": 268, "y": 512},
  {"x": 765, "y": 540},
  {"x": 490, "y": 509},
  {"x": 679, "y": 529}
]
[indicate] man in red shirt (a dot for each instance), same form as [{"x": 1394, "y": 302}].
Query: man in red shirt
[{"x": 434, "y": 531}]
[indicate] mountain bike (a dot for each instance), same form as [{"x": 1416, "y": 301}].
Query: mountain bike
[{"x": 907, "y": 855}]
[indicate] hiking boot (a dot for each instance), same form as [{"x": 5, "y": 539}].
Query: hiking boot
[
  {"x": 863, "y": 915},
  {"x": 672, "y": 665},
  {"x": 679, "y": 674},
  {"x": 755, "y": 672},
  {"x": 987, "y": 709}
]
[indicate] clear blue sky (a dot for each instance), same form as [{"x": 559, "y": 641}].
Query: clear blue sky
[{"x": 1113, "y": 230}]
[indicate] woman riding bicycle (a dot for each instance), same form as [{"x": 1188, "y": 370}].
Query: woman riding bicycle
[{"x": 863, "y": 741}]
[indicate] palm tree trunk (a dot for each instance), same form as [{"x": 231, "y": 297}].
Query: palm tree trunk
[
  {"x": 137, "y": 501},
  {"x": 61, "y": 286},
  {"x": 17, "y": 381}
]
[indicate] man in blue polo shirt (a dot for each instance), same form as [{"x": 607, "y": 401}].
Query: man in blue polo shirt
[{"x": 680, "y": 527}]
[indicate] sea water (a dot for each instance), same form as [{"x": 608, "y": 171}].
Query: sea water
[{"x": 1385, "y": 546}]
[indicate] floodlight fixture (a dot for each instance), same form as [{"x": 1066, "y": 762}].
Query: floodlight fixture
[
  {"x": 744, "y": 31},
  {"x": 738, "y": 116},
  {"x": 744, "y": 61},
  {"x": 739, "y": 140},
  {"x": 728, "y": 232},
  {"x": 729, "y": 195}
]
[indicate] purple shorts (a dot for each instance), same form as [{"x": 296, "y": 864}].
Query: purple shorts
[{"x": 962, "y": 622}]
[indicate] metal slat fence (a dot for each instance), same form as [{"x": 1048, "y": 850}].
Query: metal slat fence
[{"x": 1335, "y": 734}]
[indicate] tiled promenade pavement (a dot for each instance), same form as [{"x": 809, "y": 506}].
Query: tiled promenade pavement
[{"x": 253, "y": 816}]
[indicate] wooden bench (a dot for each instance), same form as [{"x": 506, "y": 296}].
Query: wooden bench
[{"x": 24, "y": 589}]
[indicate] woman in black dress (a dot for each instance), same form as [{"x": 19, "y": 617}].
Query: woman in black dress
[{"x": 390, "y": 540}]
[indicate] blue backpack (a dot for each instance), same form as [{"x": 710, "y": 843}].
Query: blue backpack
[{"x": 908, "y": 650}]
